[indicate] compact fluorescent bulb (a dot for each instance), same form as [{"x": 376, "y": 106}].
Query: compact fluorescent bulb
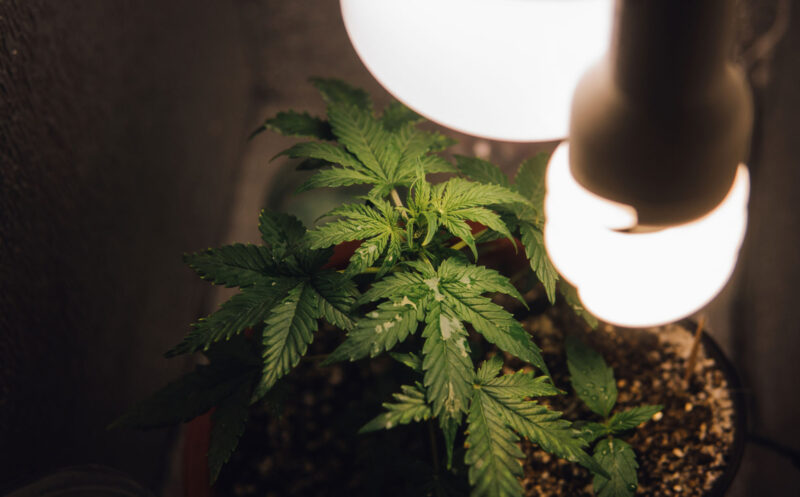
[
  {"x": 644, "y": 278},
  {"x": 646, "y": 207},
  {"x": 500, "y": 69}
]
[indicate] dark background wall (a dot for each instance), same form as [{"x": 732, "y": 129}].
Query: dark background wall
[
  {"x": 766, "y": 314},
  {"x": 121, "y": 127},
  {"x": 122, "y": 145}
]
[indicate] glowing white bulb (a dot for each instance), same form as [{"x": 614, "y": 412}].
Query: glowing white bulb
[
  {"x": 501, "y": 69},
  {"x": 646, "y": 278}
]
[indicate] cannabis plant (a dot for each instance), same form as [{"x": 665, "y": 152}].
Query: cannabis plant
[
  {"x": 415, "y": 271},
  {"x": 594, "y": 383}
]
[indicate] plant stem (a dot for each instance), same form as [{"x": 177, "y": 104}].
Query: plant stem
[
  {"x": 458, "y": 246},
  {"x": 692, "y": 362},
  {"x": 366, "y": 270},
  {"x": 434, "y": 448},
  {"x": 424, "y": 257},
  {"x": 398, "y": 202},
  {"x": 461, "y": 244}
]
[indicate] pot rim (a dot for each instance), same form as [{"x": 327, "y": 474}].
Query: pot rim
[{"x": 712, "y": 348}]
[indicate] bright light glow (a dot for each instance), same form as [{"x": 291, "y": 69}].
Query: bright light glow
[
  {"x": 639, "y": 279},
  {"x": 500, "y": 69}
]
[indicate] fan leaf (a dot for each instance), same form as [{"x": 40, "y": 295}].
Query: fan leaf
[
  {"x": 409, "y": 407},
  {"x": 288, "y": 332},
  {"x": 592, "y": 379}
]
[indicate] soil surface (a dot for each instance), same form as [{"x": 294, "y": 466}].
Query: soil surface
[
  {"x": 682, "y": 450},
  {"x": 313, "y": 448}
]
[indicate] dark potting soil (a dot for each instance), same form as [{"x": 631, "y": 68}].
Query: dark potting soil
[
  {"x": 683, "y": 450},
  {"x": 313, "y": 449}
]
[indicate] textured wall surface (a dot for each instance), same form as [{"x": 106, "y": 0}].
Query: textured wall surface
[
  {"x": 767, "y": 324},
  {"x": 121, "y": 127}
]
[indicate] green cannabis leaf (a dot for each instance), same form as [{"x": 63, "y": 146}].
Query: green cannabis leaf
[
  {"x": 335, "y": 91},
  {"x": 591, "y": 431},
  {"x": 533, "y": 241},
  {"x": 618, "y": 459},
  {"x": 529, "y": 182},
  {"x": 630, "y": 419},
  {"x": 450, "y": 428},
  {"x": 244, "y": 310},
  {"x": 409, "y": 359},
  {"x": 288, "y": 332},
  {"x": 592, "y": 379},
  {"x": 571, "y": 296},
  {"x": 420, "y": 289},
  {"x": 481, "y": 171},
  {"x": 380, "y": 330},
  {"x": 284, "y": 289},
  {"x": 382, "y": 152},
  {"x": 409, "y": 406},
  {"x": 455, "y": 290},
  {"x": 376, "y": 224},
  {"x": 227, "y": 426},
  {"x": 290, "y": 327},
  {"x": 452, "y": 203},
  {"x": 529, "y": 215},
  {"x": 298, "y": 124},
  {"x": 397, "y": 115},
  {"x": 446, "y": 362},
  {"x": 498, "y": 412},
  {"x": 234, "y": 265},
  {"x": 494, "y": 323},
  {"x": 492, "y": 454},
  {"x": 520, "y": 384}
]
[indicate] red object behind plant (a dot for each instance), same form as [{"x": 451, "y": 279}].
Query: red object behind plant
[{"x": 196, "y": 441}]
